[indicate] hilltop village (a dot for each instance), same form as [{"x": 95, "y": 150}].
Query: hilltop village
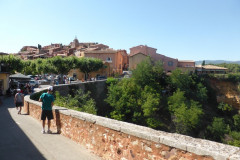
[{"x": 116, "y": 61}]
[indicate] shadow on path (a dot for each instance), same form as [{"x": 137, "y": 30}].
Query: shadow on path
[{"x": 14, "y": 143}]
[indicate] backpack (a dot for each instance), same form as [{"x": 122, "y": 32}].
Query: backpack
[{"x": 19, "y": 97}]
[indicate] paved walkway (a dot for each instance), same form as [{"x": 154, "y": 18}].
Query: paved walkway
[{"x": 21, "y": 139}]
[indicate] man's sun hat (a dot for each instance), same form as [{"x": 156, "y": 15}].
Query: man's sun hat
[
  {"x": 18, "y": 90},
  {"x": 50, "y": 88}
]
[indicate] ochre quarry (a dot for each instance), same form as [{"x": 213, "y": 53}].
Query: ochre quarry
[{"x": 226, "y": 92}]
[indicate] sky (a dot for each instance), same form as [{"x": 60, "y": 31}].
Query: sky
[{"x": 182, "y": 29}]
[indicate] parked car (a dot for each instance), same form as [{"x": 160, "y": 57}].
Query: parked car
[
  {"x": 33, "y": 83},
  {"x": 32, "y": 76},
  {"x": 101, "y": 77},
  {"x": 127, "y": 72},
  {"x": 43, "y": 81},
  {"x": 71, "y": 79}
]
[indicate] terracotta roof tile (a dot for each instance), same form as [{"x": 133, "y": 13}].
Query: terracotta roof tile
[{"x": 210, "y": 67}]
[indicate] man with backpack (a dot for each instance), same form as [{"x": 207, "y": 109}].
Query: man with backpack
[{"x": 18, "y": 100}]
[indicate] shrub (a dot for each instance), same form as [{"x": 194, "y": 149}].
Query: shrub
[
  {"x": 80, "y": 102},
  {"x": 224, "y": 107},
  {"x": 234, "y": 77},
  {"x": 218, "y": 128},
  {"x": 236, "y": 120},
  {"x": 111, "y": 80},
  {"x": 235, "y": 139},
  {"x": 186, "y": 114},
  {"x": 37, "y": 95}
]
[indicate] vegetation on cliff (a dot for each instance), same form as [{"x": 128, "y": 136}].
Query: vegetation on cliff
[
  {"x": 232, "y": 68},
  {"x": 79, "y": 101},
  {"x": 181, "y": 102},
  {"x": 233, "y": 72}
]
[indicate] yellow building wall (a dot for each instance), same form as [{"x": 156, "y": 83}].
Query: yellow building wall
[
  {"x": 136, "y": 59},
  {"x": 4, "y": 84},
  {"x": 105, "y": 71},
  {"x": 187, "y": 69}
]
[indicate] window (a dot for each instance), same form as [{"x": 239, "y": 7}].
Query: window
[
  {"x": 170, "y": 63},
  {"x": 109, "y": 59}
]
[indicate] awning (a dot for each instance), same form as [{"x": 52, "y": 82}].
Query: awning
[{"x": 19, "y": 76}]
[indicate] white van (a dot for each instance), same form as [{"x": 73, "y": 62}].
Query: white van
[
  {"x": 33, "y": 83},
  {"x": 127, "y": 72}
]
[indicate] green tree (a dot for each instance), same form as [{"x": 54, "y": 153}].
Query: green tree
[
  {"x": 124, "y": 98},
  {"x": 137, "y": 100},
  {"x": 232, "y": 68},
  {"x": 182, "y": 81},
  {"x": 88, "y": 65},
  {"x": 80, "y": 101},
  {"x": 39, "y": 47},
  {"x": 201, "y": 93},
  {"x": 60, "y": 66},
  {"x": 235, "y": 138},
  {"x": 133, "y": 104},
  {"x": 11, "y": 64},
  {"x": 191, "y": 85},
  {"x": 39, "y": 63},
  {"x": 29, "y": 67},
  {"x": 218, "y": 128},
  {"x": 236, "y": 122},
  {"x": 203, "y": 63},
  {"x": 186, "y": 114},
  {"x": 149, "y": 73},
  {"x": 73, "y": 61},
  {"x": 224, "y": 107},
  {"x": 111, "y": 80},
  {"x": 150, "y": 101},
  {"x": 176, "y": 100}
]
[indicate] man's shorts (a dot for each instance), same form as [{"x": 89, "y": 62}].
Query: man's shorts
[
  {"x": 19, "y": 104},
  {"x": 46, "y": 113}
]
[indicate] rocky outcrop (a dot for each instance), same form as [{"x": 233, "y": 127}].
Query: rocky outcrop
[{"x": 226, "y": 92}]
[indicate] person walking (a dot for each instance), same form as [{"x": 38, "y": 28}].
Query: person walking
[
  {"x": 47, "y": 100},
  {"x": 18, "y": 100}
]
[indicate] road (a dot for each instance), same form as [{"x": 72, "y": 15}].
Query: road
[{"x": 21, "y": 139}]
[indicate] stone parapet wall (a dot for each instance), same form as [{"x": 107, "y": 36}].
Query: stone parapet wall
[{"x": 112, "y": 139}]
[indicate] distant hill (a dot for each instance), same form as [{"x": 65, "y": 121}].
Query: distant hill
[{"x": 216, "y": 62}]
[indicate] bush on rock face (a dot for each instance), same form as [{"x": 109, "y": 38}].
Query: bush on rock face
[
  {"x": 37, "y": 95},
  {"x": 79, "y": 101}
]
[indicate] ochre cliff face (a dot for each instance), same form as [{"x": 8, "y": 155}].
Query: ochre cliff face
[{"x": 226, "y": 92}]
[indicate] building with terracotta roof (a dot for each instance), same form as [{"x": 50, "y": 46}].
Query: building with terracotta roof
[
  {"x": 115, "y": 61},
  {"x": 186, "y": 66},
  {"x": 135, "y": 59},
  {"x": 27, "y": 52},
  {"x": 210, "y": 69},
  {"x": 138, "y": 53}
]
